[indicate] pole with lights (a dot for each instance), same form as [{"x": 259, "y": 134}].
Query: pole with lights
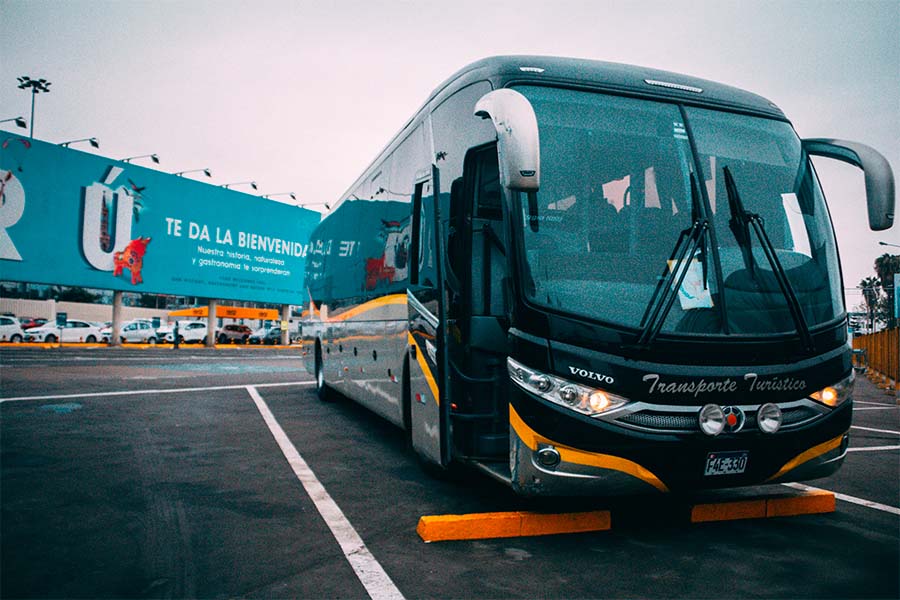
[
  {"x": 305, "y": 204},
  {"x": 291, "y": 194},
  {"x": 92, "y": 140},
  {"x": 37, "y": 86},
  {"x": 206, "y": 172},
  {"x": 20, "y": 121},
  {"x": 152, "y": 157},
  {"x": 250, "y": 183}
]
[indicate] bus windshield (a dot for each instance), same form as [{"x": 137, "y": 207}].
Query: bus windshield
[{"x": 616, "y": 196}]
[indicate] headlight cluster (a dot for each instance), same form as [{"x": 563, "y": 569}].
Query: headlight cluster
[
  {"x": 586, "y": 400},
  {"x": 834, "y": 395}
]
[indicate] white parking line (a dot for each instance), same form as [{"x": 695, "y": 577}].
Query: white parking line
[
  {"x": 162, "y": 391},
  {"x": 875, "y": 430},
  {"x": 857, "y": 408},
  {"x": 852, "y": 499},
  {"x": 370, "y": 573},
  {"x": 872, "y": 448}
]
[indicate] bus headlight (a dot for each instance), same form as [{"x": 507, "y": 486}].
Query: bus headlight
[
  {"x": 580, "y": 398},
  {"x": 712, "y": 419},
  {"x": 834, "y": 395}
]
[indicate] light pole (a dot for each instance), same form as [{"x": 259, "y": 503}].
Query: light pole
[
  {"x": 152, "y": 157},
  {"x": 305, "y": 204},
  {"x": 37, "y": 86},
  {"x": 886, "y": 244},
  {"x": 20, "y": 121},
  {"x": 93, "y": 141},
  {"x": 250, "y": 183},
  {"x": 291, "y": 194},
  {"x": 206, "y": 172}
]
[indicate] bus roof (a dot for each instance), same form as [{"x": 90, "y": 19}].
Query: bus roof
[
  {"x": 608, "y": 76},
  {"x": 503, "y": 71}
]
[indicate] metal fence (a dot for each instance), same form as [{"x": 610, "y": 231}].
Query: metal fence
[{"x": 882, "y": 353}]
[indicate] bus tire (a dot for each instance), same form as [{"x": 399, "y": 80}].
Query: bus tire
[{"x": 324, "y": 393}]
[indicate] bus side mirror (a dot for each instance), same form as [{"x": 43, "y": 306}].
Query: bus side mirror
[
  {"x": 518, "y": 145},
  {"x": 879, "y": 177}
]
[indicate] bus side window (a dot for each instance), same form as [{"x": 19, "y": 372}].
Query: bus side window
[
  {"x": 487, "y": 187},
  {"x": 455, "y": 241},
  {"x": 415, "y": 245},
  {"x": 486, "y": 249}
]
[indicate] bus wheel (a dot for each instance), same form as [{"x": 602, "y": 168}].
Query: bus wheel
[{"x": 322, "y": 390}]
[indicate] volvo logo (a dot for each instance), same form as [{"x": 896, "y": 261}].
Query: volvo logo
[{"x": 734, "y": 418}]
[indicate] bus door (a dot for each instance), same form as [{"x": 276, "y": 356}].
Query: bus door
[
  {"x": 476, "y": 281},
  {"x": 426, "y": 409}
]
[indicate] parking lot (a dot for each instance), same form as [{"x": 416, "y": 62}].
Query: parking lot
[{"x": 161, "y": 473}]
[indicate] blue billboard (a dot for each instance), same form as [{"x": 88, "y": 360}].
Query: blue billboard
[{"x": 72, "y": 218}]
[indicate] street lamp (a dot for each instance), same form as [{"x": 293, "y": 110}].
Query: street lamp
[
  {"x": 250, "y": 183},
  {"x": 37, "y": 86},
  {"x": 304, "y": 205},
  {"x": 291, "y": 194},
  {"x": 886, "y": 244},
  {"x": 206, "y": 172},
  {"x": 93, "y": 141},
  {"x": 152, "y": 157},
  {"x": 20, "y": 121}
]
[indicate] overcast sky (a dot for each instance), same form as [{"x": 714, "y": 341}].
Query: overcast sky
[{"x": 300, "y": 96}]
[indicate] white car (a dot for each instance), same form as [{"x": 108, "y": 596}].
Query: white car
[
  {"x": 138, "y": 331},
  {"x": 73, "y": 331},
  {"x": 11, "y": 330},
  {"x": 189, "y": 331}
]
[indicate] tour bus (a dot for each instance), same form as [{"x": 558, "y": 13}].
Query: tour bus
[{"x": 590, "y": 278}]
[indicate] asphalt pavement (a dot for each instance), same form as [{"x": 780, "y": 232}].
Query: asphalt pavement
[{"x": 154, "y": 473}]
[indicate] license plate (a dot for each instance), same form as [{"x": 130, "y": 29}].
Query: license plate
[{"x": 726, "y": 463}]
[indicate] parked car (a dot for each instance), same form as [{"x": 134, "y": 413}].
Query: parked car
[
  {"x": 165, "y": 329},
  {"x": 29, "y": 322},
  {"x": 73, "y": 331},
  {"x": 11, "y": 330},
  {"x": 235, "y": 334},
  {"x": 189, "y": 331},
  {"x": 266, "y": 335},
  {"x": 139, "y": 331}
]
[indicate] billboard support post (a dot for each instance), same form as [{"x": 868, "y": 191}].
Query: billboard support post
[
  {"x": 116, "y": 325},
  {"x": 211, "y": 324},
  {"x": 285, "y": 319}
]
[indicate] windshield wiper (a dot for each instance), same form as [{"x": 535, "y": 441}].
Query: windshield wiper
[
  {"x": 689, "y": 242},
  {"x": 741, "y": 223}
]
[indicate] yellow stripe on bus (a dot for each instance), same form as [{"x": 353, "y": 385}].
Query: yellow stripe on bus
[
  {"x": 572, "y": 455},
  {"x": 370, "y": 305},
  {"x": 426, "y": 370},
  {"x": 814, "y": 452}
]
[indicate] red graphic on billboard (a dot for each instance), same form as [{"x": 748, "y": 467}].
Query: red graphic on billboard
[{"x": 131, "y": 258}]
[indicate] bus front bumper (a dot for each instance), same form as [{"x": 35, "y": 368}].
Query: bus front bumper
[{"x": 542, "y": 467}]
